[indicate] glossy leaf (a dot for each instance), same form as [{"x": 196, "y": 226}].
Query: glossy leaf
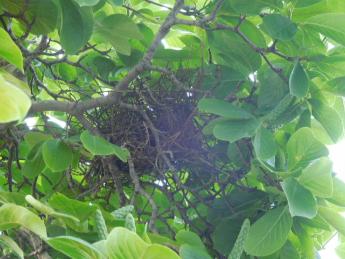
[
  {"x": 269, "y": 233},
  {"x": 14, "y": 103},
  {"x": 301, "y": 201},
  {"x": 10, "y": 51},
  {"x": 12, "y": 215}
]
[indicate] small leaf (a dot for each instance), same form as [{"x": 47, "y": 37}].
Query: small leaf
[
  {"x": 14, "y": 103},
  {"x": 317, "y": 177},
  {"x": 223, "y": 108},
  {"x": 279, "y": 27},
  {"x": 264, "y": 144},
  {"x": 12, "y": 215},
  {"x": 298, "y": 81},
  {"x": 301, "y": 201},
  {"x": 193, "y": 252},
  {"x": 190, "y": 238},
  {"x": 57, "y": 155},
  {"x": 10, "y": 51},
  {"x": 99, "y": 146},
  {"x": 268, "y": 234},
  {"x": 156, "y": 251}
]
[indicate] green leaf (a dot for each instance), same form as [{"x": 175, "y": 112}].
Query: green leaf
[
  {"x": 193, "y": 252},
  {"x": 12, "y": 215},
  {"x": 317, "y": 177},
  {"x": 330, "y": 25},
  {"x": 118, "y": 29},
  {"x": 264, "y": 144},
  {"x": 268, "y": 234},
  {"x": 57, "y": 155},
  {"x": 99, "y": 146},
  {"x": 8, "y": 242},
  {"x": 223, "y": 108},
  {"x": 233, "y": 130},
  {"x": 338, "y": 196},
  {"x": 74, "y": 247},
  {"x": 14, "y": 103},
  {"x": 329, "y": 119},
  {"x": 124, "y": 244},
  {"x": 87, "y": 2},
  {"x": 279, "y": 27},
  {"x": 301, "y": 201},
  {"x": 340, "y": 250},
  {"x": 230, "y": 50},
  {"x": 253, "y": 7},
  {"x": 78, "y": 209},
  {"x": 190, "y": 238},
  {"x": 298, "y": 81},
  {"x": 336, "y": 86},
  {"x": 156, "y": 251},
  {"x": 333, "y": 218},
  {"x": 10, "y": 51},
  {"x": 303, "y": 147},
  {"x": 41, "y": 207},
  {"x": 237, "y": 250},
  {"x": 76, "y": 26}
]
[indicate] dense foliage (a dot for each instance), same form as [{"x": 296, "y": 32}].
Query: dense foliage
[{"x": 170, "y": 129}]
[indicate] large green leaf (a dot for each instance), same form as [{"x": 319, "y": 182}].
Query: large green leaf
[
  {"x": 14, "y": 103},
  {"x": 268, "y": 234},
  {"x": 76, "y": 25},
  {"x": 229, "y": 49},
  {"x": 264, "y": 143},
  {"x": 10, "y": 51},
  {"x": 238, "y": 248},
  {"x": 117, "y": 29},
  {"x": 303, "y": 147},
  {"x": 298, "y": 81},
  {"x": 190, "y": 238},
  {"x": 329, "y": 119},
  {"x": 330, "y": 25},
  {"x": 279, "y": 27},
  {"x": 57, "y": 155},
  {"x": 233, "y": 130},
  {"x": 333, "y": 218},
  {"x": 223, "y": 108},
  {"x": 317, "y": 177},
  {"x": 301, "y": 201},
  {"x": 74, "y": 247},
  {"x": 124, "y": 244},
  {"x": 12, "y": 215},
  {"x": 99, "y": 146}
]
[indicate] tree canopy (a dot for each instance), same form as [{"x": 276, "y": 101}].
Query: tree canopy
[{"x": 170, "y": 129}]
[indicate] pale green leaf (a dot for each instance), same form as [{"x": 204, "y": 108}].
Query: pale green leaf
[
  {"x": 8, "y": 242},
  {"x": 268, "y": 234},
  {"x": 298, "y": 81},
  {"x": 264, "y": 143},
  {"x": 301, "y": 201},
  {"x": 57, "y": 155},
  {"x": 10, "y": 51}
]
